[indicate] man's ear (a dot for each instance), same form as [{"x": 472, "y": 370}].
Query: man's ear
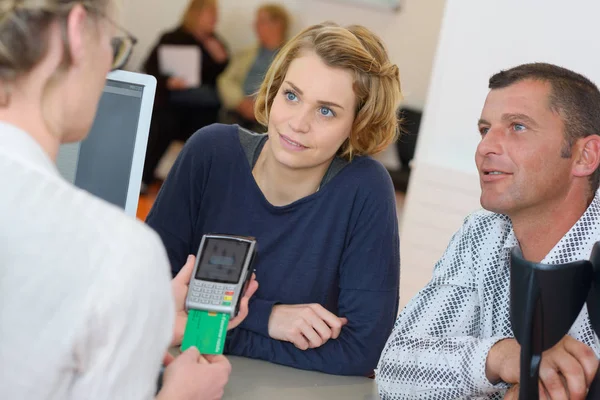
[
  {"x": 76, "y": 28},
  {"x": 588, "y": 156}
]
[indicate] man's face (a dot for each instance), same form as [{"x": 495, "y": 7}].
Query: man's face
[
  {"x": 519, "y": 156},
  {"x": 267, "y": 28}
]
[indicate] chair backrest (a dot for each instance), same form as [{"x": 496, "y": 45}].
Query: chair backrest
[
  {"x": 539, "y": 293},
  {"x": 407, "y": 142},
  {"x": 545, "y": 301},
  {"x": 593, "y": 302},
  {"x": 593, "y": 306}
]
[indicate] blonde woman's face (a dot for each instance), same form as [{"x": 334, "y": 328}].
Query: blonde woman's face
[{"x": 312, "y": 113}]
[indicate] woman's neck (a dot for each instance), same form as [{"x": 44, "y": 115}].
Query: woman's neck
[
  {"x": 282, "y": 185},
  {"x": 26, "y": 116}
]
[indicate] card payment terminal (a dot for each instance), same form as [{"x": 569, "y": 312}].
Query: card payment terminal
[{"x": 223, "y": 267}]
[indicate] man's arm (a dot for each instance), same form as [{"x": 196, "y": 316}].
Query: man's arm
[{"x": 435, "y": 351}]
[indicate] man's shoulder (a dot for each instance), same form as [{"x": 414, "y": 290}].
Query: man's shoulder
[
  {"x": 482, "y": 216},
  {"x": 487, "y": 225},
  {"x": 249, "y": 52}
]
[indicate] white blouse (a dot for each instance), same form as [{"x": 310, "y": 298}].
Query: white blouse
[{"x": 86, "y": 309}]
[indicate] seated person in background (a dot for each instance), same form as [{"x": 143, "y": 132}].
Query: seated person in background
[
  {"x": 538, "y": 168},
  {"x": 241, "y": 80},
  {"x": 322, "y": 210},
  {"x": 179, "y": 110}
]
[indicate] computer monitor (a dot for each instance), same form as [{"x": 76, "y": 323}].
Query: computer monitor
[{"x": 109, "y": 162}]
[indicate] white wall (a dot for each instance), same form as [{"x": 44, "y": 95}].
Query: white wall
[
  {"x": 411, "y": 34},
  {"x": 479, "y": 38}
]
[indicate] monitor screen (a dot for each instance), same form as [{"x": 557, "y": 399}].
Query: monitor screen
[{"x": 102, "y": 163}]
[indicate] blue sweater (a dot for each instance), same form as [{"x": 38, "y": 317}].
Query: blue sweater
[{"x": 338, "y": 247}]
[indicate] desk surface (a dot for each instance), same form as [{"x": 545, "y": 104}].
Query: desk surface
[{"x": 254, "y": 379}]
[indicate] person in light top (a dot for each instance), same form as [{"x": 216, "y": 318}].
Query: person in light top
[{"x": 87, "y": 307}]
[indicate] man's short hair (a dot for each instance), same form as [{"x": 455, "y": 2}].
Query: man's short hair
[
  {"x": 278, "y": 13},
  {"x": 573, "y": 96}
]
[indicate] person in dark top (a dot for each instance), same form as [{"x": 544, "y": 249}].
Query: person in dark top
[
  {"x": 179, "y": 109},
  {"x": 322, "y": 210}
]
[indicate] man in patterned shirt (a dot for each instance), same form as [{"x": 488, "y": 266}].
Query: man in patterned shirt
[{"x": 538, "y": 167}]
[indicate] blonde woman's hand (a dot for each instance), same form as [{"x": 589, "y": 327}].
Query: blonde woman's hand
[{"x": 307, "y": 326}]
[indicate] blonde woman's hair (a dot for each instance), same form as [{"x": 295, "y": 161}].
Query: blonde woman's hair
[
  {"x": 278, "y": 13},
  {"x": 376, "y": 82},
  {"x": 193, "y": 6},
  {"x": 23, "y": 27}
]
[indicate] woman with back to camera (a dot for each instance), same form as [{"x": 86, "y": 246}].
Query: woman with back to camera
[
  {"x": 322, "y": 210},
  {"x": 180, "y": 109},
  {"x": 86, "y": 304}
]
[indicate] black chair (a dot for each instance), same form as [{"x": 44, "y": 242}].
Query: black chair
[
  {"x": 405, "y": 146},
  {"x": 543, "y": 309},
  {"x": 593, "y": 306}
]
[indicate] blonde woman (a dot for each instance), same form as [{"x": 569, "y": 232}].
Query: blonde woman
[
  {"x": 87, "y": 309},
  {"x": 322, "y": 209},
  {"x": 180, "y": 109}
]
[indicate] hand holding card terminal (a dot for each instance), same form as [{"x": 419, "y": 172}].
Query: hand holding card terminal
[{"x": 222, "y": 270}]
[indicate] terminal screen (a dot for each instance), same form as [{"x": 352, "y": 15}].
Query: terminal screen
[{"x": 222, "y": 260}]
